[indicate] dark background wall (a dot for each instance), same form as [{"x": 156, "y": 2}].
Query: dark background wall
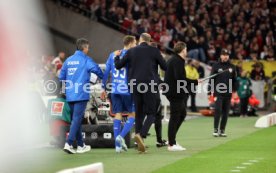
[{"x": 66, "y": 26}]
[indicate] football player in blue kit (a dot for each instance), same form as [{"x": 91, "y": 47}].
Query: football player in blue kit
[{"x": 121, "y": 98}]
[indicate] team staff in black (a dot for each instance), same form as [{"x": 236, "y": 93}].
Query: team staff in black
[
  {"x": 142, "y": 61},
  {"x": 174, "y": 76},
  {"x": 222, "y": 86},
  {"x": 160, "y": 142}
]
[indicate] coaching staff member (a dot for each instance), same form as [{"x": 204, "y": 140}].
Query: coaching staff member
[
  {"x": 77, "y": 69},
  {"x": 174, "y": 75},
  {"x": 142, "y": 61},
  {"x": 222, "y": 87}
]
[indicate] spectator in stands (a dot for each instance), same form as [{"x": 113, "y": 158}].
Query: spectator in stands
[
  {"x": 58, "y": 68},
  {"x": 264, "y": 53},
  {"x": 253, "y": 56},
  {"x": 51, "y": 77},
  {"x": 165, "y": 38},
  {"x": 239, "y": 68},
  {"x": 247, "y": 23},
  {"x": 254, "y": 46},
  {"x": 270, "y": 56},
  {"x": 270, "y": 41},
  {"x": 127, "y": 23},
  {"x": 59, "y": 59},
  {"x": 195, "y": 50},
  {"x": 257, "y": 73},
  {"x": 189, "y": 31},
  {"x": 199, "y": 68},
  {"x": 94, "y": 7}
]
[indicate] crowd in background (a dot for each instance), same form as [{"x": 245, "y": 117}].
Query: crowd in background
[{"x": 245, "y": 27}]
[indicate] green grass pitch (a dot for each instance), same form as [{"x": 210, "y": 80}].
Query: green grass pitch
[{"x": 246, "y": 150}]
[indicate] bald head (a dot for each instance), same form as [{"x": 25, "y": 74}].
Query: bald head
[{"x": 145, "y": 37}]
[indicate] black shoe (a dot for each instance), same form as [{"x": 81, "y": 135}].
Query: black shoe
[
  {"x": 161, "y": 143},
  {"x": 222, "y": 133},
  {"x": 216, "y": 133}
]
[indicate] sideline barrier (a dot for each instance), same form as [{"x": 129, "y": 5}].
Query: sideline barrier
[
  {"x": 93, "y": 168},
  {"x": 266, "y": 121},
  {"x": 258, "y": 91}
]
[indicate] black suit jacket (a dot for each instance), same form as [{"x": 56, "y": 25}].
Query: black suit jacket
[
  {"x": 142, "y": 62},
  {"x": 176, "y": 74}
]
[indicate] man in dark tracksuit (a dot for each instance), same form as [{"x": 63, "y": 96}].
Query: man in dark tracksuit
[
  {"x": 142, "y": 61},
  {"x": 222, "y": 86},
  {"x": 179, "y": 86}
]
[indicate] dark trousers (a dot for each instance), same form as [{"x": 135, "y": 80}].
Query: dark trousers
[
  {"x": 222, "y": 106},
  {"x": 244, "y": 105},
  {"x": 145, "y": 104},
  {"x": 193, "y": 101},
  {"x": 158, "y": 119},
  {"x": 178, "y": 114},
  {"x": 77, "y": 112}
]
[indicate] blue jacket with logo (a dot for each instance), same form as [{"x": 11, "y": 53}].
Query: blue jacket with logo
[{"x": 76, "y": 72}]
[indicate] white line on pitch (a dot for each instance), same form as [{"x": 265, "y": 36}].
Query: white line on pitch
[
  {"x": 255, "y": 161},
  {"x": 246, "y": 163},
  {"x": 235, "y": 170},
  {"x": 240, "y": 167}
]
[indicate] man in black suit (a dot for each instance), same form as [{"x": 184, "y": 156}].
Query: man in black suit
[
  {"x": 179, "y": 87},
  {"x": 142, "y": 61}
]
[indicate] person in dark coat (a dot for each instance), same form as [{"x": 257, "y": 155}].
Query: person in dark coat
[
  {"x": 142, "y": 61},
  {"x": 179, "y": 87}
]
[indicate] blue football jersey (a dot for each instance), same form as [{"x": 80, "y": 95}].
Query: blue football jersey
[{"x": 119, "y": 80}]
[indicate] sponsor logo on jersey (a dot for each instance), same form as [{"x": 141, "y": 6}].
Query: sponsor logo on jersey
[
  {"x": 73, "y": 63},
  {"x": 71, "y": 71}
]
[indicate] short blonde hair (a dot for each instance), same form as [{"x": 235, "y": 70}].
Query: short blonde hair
[{"x": 179, "y": 46}]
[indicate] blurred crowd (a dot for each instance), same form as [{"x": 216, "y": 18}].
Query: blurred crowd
[{"x": 245, "y": 27}]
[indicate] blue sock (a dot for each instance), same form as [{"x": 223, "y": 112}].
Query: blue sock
[
  {"x": 128, "y": 126},
  {"x": 116, "y": 128}
]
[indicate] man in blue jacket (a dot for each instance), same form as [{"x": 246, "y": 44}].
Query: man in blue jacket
[{"x": 75, "y": 72}]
